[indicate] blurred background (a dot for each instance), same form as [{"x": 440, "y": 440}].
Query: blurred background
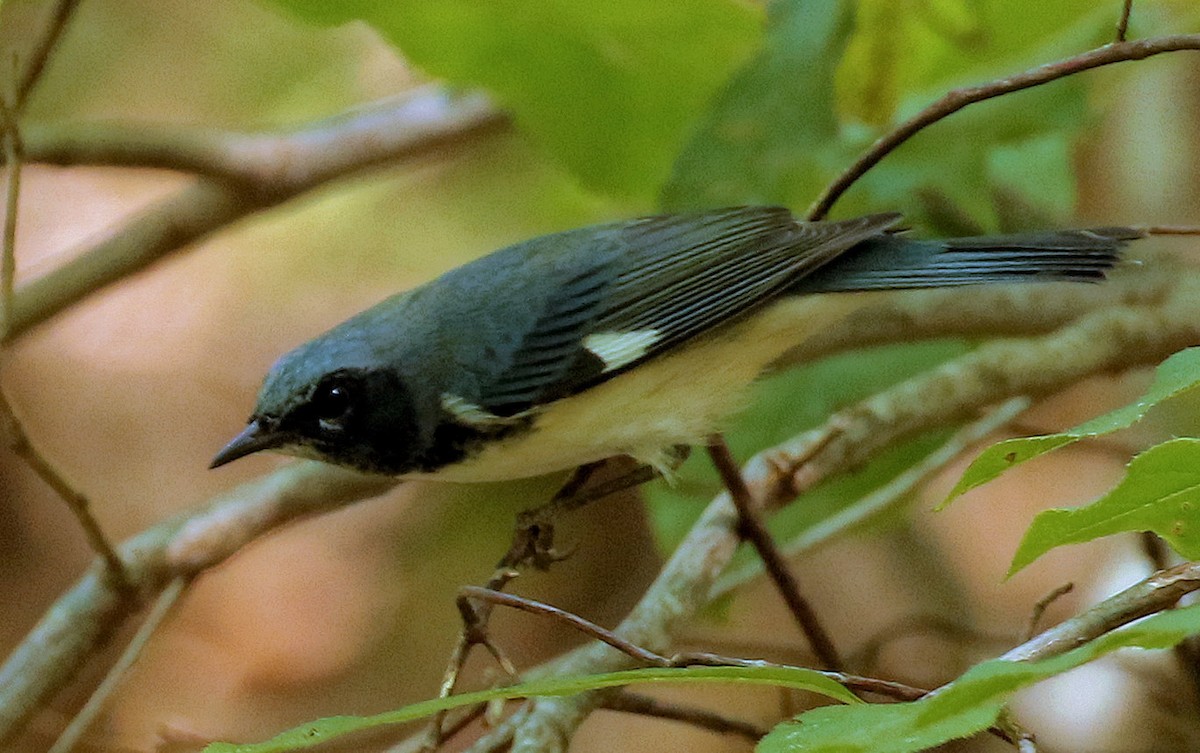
[{"x": 133, "y": 390}]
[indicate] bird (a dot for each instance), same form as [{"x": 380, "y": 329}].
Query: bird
[{"x": 631, "y": 337}]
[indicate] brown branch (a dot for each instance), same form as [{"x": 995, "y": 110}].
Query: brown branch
[
  {"x": 244, "y": 174},
  {"x": 1158, "y": 592},
  {"x": 77, "y": 503},
  {"x": 644, "y": 705},
  {"x": 43, "y": 48},
  {"x": 1123, "y": 21},
  {"x": 957, "y": 99},
  {"x": 1039, "y": 609},
  {"x": 14, "y": 158},
  {"x": 1170, "y": 230},
  {"x": 752, "y": 529},
  {"x": 81, "y": 622},
  {"x": 95, "y": 703},
  {"x": 14, "y": 431}
]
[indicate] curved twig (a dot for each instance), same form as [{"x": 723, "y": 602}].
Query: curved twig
[{"x": 952, "y": 102}]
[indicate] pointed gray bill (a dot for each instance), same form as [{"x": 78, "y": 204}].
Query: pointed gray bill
[{"x": 253, "y": 438}]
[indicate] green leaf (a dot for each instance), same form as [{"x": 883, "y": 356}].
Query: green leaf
[
  {"x": 323, "y": 730},
  {"x": 968, "y": 705},
  {"x": 610, "y": 88},
  {"x": 771, "y": 137},
  {"x": 1174, "y": 377},
  {"x": 1160, "y": 493}
]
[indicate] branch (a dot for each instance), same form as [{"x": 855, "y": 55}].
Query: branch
[
  {"x": 1107, "y": 340},
  {"x": 952, "y": 102},
  {"x": 242, "y": 174},
  {"x": 40, "y": 55},
  {"x": 83, "y": 619}
]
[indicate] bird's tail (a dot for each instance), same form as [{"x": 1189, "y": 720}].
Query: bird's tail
[{"x": 896, "y": 262}]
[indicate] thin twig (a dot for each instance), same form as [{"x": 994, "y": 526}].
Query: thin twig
[
  {"x": 8, "y": 263},
  {"x": 84, "y": 618},
  {"x": 43, "y": 48},
  {"x": 1187, "y": 651},
  {"x": 1170, "y": 229},
  {"x": 895, "y": 492},
  {"x": 14, "y": 431},
  {"x": 77, "y": 503},
  {"x": 587, "y": 627},
  {"x": 957, "y": 99},
  {"x": 1043, "y": 603},
  {"x": 637, "y": 703},
  {"x": 532, "y": 545},
  {"x": 644, "y": 656},
  {"x": 1154, "y": 594},
  {"x": 1123, "y": 22},
  {"x": 753, "y": 529},
  {"x": 95, "y": 704}
]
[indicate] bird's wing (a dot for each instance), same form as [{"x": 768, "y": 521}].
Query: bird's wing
[{"x": 663, "y": 281}]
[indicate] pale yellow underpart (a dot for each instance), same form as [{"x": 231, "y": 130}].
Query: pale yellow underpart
[
  {"x": 617, "y": 349},
  {"x": 679, "y": 398}
]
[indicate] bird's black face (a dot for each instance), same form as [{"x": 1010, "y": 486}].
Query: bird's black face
[{"x": 352, "y": 417}]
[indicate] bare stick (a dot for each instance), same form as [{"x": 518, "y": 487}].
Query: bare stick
[
  {"x": 95, "y": 704},
  {"x": 256, "y": 172},
  {"x": 1043, "y": 603},
  {"x": 753, "y": 529},
  {"x": 584, "y": 626},
  {"x": 77, "y": 503},
  {"x": 1123, "y": 22},
  {"x": 1158, "y": 592},
  {"x": 1171, "y": 229},
  {"x": 636, "y": 703},
  {"x": 8, "y": 264},
  {"x": 42, "y": 50},
  {"x": 957, "y": 99},
  {"x": 86, "y": 616}
]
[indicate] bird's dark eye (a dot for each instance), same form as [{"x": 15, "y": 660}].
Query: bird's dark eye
[{"x": 331, "y": 402}]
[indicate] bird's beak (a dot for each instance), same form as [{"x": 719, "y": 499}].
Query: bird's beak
[{"x": 253, "y": 438}]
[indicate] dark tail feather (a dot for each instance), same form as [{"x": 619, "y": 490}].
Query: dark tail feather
[{"x": 896, "y": 262}]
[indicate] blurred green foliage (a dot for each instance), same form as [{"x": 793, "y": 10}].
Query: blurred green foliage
[{"x": 609, "y": 87}]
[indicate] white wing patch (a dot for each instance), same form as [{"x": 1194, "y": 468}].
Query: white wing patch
[
  {"x": 619, "y": 349},
  {"x": 470, "y": 414}
]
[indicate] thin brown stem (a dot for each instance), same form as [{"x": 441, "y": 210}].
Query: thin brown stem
[
  {"x": 77, "y": 503},
  {"x": 644, "y": 705},
  {"x": 957, "y": 99},
  {"x": 1123, "y": 21},
  {"x": 42, "y": 50},
  {"x": 95, "y": 704},
  {"x": 754, "y": 531},
  {"x": 1043, "y": 603},
  {"x": 8, "y": 264},
  {"x": 1170, "y": 229},
  {"x": 532, "y": 545},
  {"x": 587, "y": 627}
]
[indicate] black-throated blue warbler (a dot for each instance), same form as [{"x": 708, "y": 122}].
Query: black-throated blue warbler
[{"x": 623, "y": 338}]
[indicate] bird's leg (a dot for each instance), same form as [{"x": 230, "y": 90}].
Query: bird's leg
[{"x": 533, "y": 544}]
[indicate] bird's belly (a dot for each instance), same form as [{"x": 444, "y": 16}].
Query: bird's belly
[{"x": 675, "y": 399}]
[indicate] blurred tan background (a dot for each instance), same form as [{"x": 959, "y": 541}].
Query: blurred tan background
[{"x": 132, "y": 391}]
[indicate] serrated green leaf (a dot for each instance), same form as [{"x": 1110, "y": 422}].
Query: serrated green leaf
[
  {"x": 610, "y": 88},
  {"x": 324, "y": 730},
  {"x": 1175, "y": 376},
  {"x": 1160, "y": 493},
  {"x": 964, "y": 707}
]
